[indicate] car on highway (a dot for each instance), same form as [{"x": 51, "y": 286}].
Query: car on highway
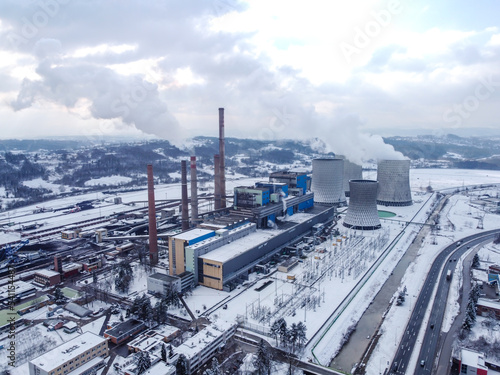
[{"x": 422, "y": 363}]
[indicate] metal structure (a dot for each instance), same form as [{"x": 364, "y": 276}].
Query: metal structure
[
  {"x": 394, "y": 183},
  {"x": 194, "y": 191},
  {"x": 352, "y": 171},
  {"x": 184, "y": 192},
  {"x": 327, "y": 181},
  {"x": 362, "y": 212},
  {"x": 153, "y": 235},
  {"x": 222, "y": 152}
]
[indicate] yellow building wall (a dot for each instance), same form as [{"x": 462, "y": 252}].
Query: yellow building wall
[
  {"x": 212, "y": 269},
  {"x": 178, "y": 245}
]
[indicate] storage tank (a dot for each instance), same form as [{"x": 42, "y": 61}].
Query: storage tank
[
  {"x": 362, "y": 211},
  {"x": 327, "y": 181},
  {"x": 393, "y": 177}
]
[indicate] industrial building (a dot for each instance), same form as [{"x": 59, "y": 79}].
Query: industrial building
[
  {"x": 158, "y": 283},
  {"x": 81, "y": 355},
  {"x": 393, "y": 177},
  {"x": 177, "y": 244},
  {"x": 327, "y": 181},
  {"x": 223, "y": 266},
  {"x": 200, "y": 348},
  {"x": 124, "y": 330},
  {"x": 362, "y": 213},
  {"x": 47, "y": 277}
]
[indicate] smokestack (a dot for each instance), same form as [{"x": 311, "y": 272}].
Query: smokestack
[
  {"x": 217, "y": 195},
  {"x": 184, "y": 191},
  {"x": 194, "y": 190},
  {"x": 222, "y": 169},
  {"x": 153, "y": 236}
]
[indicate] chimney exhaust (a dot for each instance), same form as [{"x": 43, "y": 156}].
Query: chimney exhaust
[{"x": 153, "y": 235}]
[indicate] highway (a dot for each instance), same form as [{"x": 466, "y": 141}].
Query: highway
[{"x": 446, "y": 258}]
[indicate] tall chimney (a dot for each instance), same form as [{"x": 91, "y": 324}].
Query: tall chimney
[
  {"x": 153, "y": 235},
  {"x": 222, "y": 176},
  {"x": 184, "y": 191},
  {"x": 194, "y": 191},
  {"x": 217, "y": 195}
]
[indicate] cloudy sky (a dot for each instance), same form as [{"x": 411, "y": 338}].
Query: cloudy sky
[{"x": 281, "y": 69}]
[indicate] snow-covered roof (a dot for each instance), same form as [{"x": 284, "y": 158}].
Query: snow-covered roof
[
  {"x": 65, "y": 352},
  {"x": 217, "y": 238},
  {"x": 192, "y": 234},
  {"x": 488, "y": 303},
  {"x": 472, "y": 358},
  {"x": 239, "y": 246},
  {"x": 47, "y": 273},
  {"x": 204, "y": 338}
]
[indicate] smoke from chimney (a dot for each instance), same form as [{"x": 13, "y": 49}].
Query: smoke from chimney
[
  {"x": 153, "y": 235},
  {"x": 184, "y": 191},
  {"x": 222, "y": 169},
  {"x": 194, "y": 190},
  {"x": 217, "y": 194}
]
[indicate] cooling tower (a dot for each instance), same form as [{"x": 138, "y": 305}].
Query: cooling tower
[
  {"x": 327, "y": 181},
  {"x": 351, "y": 172},
  {"x": 362, "y": 212},
  {"x": 393, "y": 177}
]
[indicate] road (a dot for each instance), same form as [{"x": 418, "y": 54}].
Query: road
[{"x": 429, "y": 345}]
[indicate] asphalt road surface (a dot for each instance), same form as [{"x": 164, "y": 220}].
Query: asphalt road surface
[{"x": 429, "y": 345}]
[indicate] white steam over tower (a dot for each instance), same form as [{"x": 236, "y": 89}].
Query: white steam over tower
[
  {"x": 327, "y": 181},
  {"x": 394, "y": 183},
  {"x": 362, "y": 212}
]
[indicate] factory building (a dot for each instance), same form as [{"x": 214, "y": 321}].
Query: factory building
[
  {"x": 177, "y": 244},
  {"x": 298, "y": 182},
  {"x": 82, "y": 355},
  {"x": 222, "y": 237},
  {"x": 327, "y": 182},
  {"x": 237, "y": 259},
  {"x": 393, "y": 177},
  {"x": 362, "y": 213},
  {"x": 158, "y": 283}
]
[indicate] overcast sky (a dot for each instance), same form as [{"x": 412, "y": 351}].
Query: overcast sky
[{"x": 281, "y": 69}]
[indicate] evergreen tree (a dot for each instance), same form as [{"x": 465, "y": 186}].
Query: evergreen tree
[
  {"x": 283, "y": 331},
  {"x": 262, "y": 361},
  {"x": 301, "y": 333},
  {"x": 181, "y": 366},
  {"x": 475, "y": 261},
  {"x": 468, "y": 323},
  {"x": 59, "y": 297},
  {"x": 471, "y": 310},
  {"x": 293, "y": 335},
  {"x": 275, "y": 330},
  {"x": 123, "y": 275},
  {"x": 143, "y": 362},
  {"x": 163, "y": 353}
]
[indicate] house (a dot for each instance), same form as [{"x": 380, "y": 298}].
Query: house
[{"x": 123, "y": 331}]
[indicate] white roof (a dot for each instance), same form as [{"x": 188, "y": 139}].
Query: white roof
[
  {"x": 240, "y": 246},
  {"x": 202, "y": 339},
  {"x": 472, "y": 358},
  {"x": 65, "y": 352},
  {"x": 20, "y": 286},
  {"x": 488, "y": 303},
  {"x": 192, "y": 234},
  {"x": 47, "y": 273},
  {"x": 218, "y": 238}
]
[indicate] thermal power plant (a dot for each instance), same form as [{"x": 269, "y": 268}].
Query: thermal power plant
[
  {"x": 327, "y": 181},
  {"x": 393, "y": 177},
  {"x": 362, "y": 211},
  {"x": 184, "y": 204},
  {"x": 222, "y": 160},
  {"x": 352, "y": 171},
  {"x": 153, "y": 235},
  {"x": 217, "y": 193},
  {"x": 194, "y": 191}
]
